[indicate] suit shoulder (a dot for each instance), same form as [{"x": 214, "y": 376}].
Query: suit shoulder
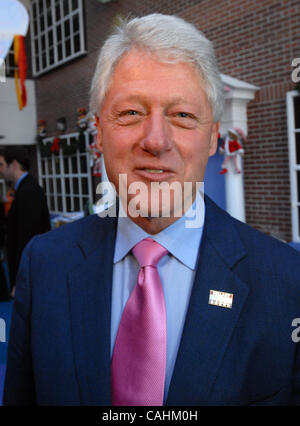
[
  {"x": 29, "y": 185},
  {"x": 261, "y": 248},
  {"x": 91, "y": 229},
  {"x": 70, "y": 231},
  {"x": 255, "y": 240}
]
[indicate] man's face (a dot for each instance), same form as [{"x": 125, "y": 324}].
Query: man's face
[
  {"x": 4, "y": 169},
  {"x": 156, "y": 123}
]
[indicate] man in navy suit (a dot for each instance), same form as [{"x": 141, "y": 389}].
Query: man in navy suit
[
  {"x": 231, "y": 293},
  {"x": 28, "y": 215}
]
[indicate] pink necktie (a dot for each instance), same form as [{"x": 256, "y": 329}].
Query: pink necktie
[{"x": 139, "y": 357}]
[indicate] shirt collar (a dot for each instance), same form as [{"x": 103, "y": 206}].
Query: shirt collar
[
  {"x": 182, "y": 242},
  {"x": 20, "y": 180}
]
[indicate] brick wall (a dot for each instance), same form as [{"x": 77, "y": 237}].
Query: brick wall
[{"x": 255, "y": 41}]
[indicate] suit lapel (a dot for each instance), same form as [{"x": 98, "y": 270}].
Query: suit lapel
[
  {"x": 208, "y": 328},
  {"x": 90, "y": 304}
]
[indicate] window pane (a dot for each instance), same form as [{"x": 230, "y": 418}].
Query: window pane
[
  {"x": 50, "y": 172},
  {"x": 298, "y": 179},
  {"x": 59, "y": 51},
  {"x": 74, "y": 4},
  {"x": 77, "y": 43},
  {"x": 68, "y": 202},
  {"x": 49, "y": 18},
  {"x": 66, "y": 7},
  {"x": 75, "y": 186},
  {"x": 44, "y": 60},
  {"x": 74, "y": 164},
  {"x": 51, "y": 56},
  {"x": 58, "y": 186},
  {"x": 50, "y": 38},
  {"x": 59, "y": 204},
  {"x": 58, "y": 33},
  {"x": 57, "y": 165},
  {"x": 57, "y": 11},
  {"x": 51, "y": 188},
  {"x": 42, "y": 26},
  {"x": 66, "y": 165},
  {"x": 67, "y": 186},
  {"x": 76, "y": 204},
  {"x": 75, "y": 23},
  {"x": 35, "y": 27},
  {"x": 34, "y": 10},
  {"x": 297, "y": 112},
  {"x": 298, "y": 148},
  {"x": 36, "y": 45},
  {"x": 67, "y": 28},
  {"x": 37, "y": 64},
  {"x": 84, "y": 183},
  {"x": 43, "y": 39},
  {"x": 43, "y": 166},
  {"x": 83, "y": 165},
  {"x": 68, "y": 47}
]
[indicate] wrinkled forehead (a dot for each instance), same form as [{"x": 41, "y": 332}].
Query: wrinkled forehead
[{"x": 138, "y": 58}]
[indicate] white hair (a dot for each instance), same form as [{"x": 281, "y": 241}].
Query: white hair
[{"x": 170, "y": 38}]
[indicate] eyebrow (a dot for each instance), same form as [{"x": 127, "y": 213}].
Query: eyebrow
[{"x": 142, "y": 99}]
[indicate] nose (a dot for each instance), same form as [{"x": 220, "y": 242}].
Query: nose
[{"x": 157, "y": 136}]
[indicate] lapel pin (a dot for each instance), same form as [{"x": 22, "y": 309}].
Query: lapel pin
[{"x": 220, "y": 298}]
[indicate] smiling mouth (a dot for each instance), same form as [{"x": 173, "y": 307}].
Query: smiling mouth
[{"x": 154, "y": 170}]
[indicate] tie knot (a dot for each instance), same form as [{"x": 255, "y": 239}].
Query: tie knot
[{"x": 148, "y": 252}]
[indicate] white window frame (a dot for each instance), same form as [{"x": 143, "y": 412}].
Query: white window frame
[
  {"x": 63, "y": 175},
  {"x": 36, "y": 35},
  {"x": 294, "y": 167}
]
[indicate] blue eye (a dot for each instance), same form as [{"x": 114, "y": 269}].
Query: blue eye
[
  {"x": 131, "y": 112},
  {"x": 183, "y": 114}
]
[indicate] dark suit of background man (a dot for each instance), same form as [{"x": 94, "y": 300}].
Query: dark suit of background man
[
  {"x": 157, "y": 95},
  {"x": 28, "y": 215}
]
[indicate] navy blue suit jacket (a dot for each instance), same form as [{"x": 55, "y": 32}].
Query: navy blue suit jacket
[{"x": 59, "y": 346}]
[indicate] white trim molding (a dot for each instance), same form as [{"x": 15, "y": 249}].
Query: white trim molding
[
  {"x": 238, "y": 94},
  {"x": 294, "y": 164}
]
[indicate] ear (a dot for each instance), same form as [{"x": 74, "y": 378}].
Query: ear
[
  {"x": 99, "y": 134},
  {"x": 15, "y": 165},
  {"x": 214, "y": 138}
]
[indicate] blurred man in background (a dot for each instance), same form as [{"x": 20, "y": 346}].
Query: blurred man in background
[{"x": 28, "y": 215}]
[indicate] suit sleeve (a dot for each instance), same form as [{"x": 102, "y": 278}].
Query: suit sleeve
[{"x": 19, "y": 383}]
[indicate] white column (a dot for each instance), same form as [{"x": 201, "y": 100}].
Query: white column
[
  {"x": 235, "y": 115},
  {"x": 234, "y": 187}
]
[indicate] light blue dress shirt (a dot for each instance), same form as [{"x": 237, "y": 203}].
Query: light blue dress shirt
[
  {"x": 176, "y": 270},
  {"x": 20, "y": 180}
]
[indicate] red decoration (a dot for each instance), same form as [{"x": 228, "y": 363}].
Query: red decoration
[
  {"x": 231, "y": 147},
  {"x": 55, "y": 145}
]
